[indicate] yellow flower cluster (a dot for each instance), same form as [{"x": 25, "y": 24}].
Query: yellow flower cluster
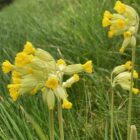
[
  {"x": 122, "y": 77},
  {"x": 36, "y": 70},
  {"x": 125, "y": 22}
]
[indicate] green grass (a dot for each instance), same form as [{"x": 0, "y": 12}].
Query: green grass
[{"x": 71, "y": 30}]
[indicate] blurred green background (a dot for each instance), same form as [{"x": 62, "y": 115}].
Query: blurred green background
[{"x": 72, "y": 30}]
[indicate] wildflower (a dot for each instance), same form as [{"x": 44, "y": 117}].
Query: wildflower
[
  {"x": 36, "y": 70},
  {"x": 52, "y": 82},
  {"x": 28, "y": 48},
  {"x": 125, "y": 22},
  {"x": 7, "y": 66},
  {"x": 61, "y": 62},
  {"x": 66, "y": 104},
  {"x": 106, "y": 22},
  {"x": 120, "y": 7},
  {"x": 107, "y": 14},
  {"x": 88, "y": 67},
  {"x": 122, "y": 68},
  {"x": 13, "y": 90},
  {"x": 73, "y": 79},
  {"x": 22, "y": 59},
  {"x": 135, "y": 90},
  {"x": 123, "y": 77}
]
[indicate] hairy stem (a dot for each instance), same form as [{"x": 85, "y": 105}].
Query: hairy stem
[
  {"x": 60, "y": 119},
  {"x": 51, "y": 124},
  {"x": 130, "y": 96},
  {"x": 112, "y": 115}
]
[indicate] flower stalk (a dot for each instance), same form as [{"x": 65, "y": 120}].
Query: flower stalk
[
  {"x": 130, "y": 95},
  {"x": 51, "y": 124},
  {"x": 60, "y": 120},
  {"x": 112, "y": 114}
]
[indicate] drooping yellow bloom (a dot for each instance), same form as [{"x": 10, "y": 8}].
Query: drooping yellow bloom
[
  {"x": 128, "y": 65},
  {"x": 111, "y": 33},
  {"x": 36, "y": 70},
  {"x": 22, "y": 59},
  {"x": 52, "y": 82},
  {"x": 107, "y": 14},
  {"x": 127, "y": 34},
  {"x": 88, "y": 67},
  {"x": 66, "y": 104},
  {"x": 120, "y": 23},
  {"x": 106, "y": 22},
  {"x": 61, "y": 62},
  {"x": 125, "y": 23},
  {"x": 13, "y": 90},
  {"x": 16, "y": 74},
  {"x": 7, "y": 66},
  {"x": 76, "y": 77},
  {"x": 135, "y": 90},
  {"x": 135, "y": 74},
  {"x": 120, "y": 7},
  {"x": 70, "y": 81},
  {"x": 16, "y": 80},
  {"x": 28, "y": 48}
]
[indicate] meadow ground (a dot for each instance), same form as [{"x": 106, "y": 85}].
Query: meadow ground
[{"x": 72, "y": 30}]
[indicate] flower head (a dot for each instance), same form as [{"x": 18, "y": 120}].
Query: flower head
[
  {"x": 36, "y": 70},
  {"x": 125, "y": 22},
  {"x": 122, "y": 77}
]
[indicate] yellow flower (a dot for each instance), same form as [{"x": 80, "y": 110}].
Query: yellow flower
[
  {"x": 128, "y": 65},
  {"x": 107, "y": 14},
  {"x": 22, "y": 59},
  {"x": 13, "y": 90},
  {"x": 135, "y": 90},
  {"x": 61, "y": 62},
  {"x": 120, "y": 23},
  {"x": 127, "y": 34},
  {"x": 88, "y": 67},
  {"x": 70, "y": 81},
  {"x": 52, "y": 82},
  {"x": 106, "y": 22},
  {"x": 120, "y": 7},
  {"x": 135, "y": 74},
  {"x": 66, "y": 104},
  {"x": 16, "y": 74},
  {"x": 76, "y": 77},
  {"x": 121, "y": 50},
  {"x": 28, "y": 48},
  {"x": 7, "y": 66},
  {"x": 14, "y": 95},
  {"x": 111, "y": 33},
  {"x": 16, "y": 80}
]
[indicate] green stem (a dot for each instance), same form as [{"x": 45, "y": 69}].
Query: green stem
[
  {"x": 112, "y": 115},
  {"x": 51, "y": 124},
  {"x": 60, "y": 119},
  {"x": 130, "y": 96}
]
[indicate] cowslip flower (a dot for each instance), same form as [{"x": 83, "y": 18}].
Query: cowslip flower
[
  {"x": 122, "y": 68},
  {"x": 125, "y": 22},
  {"x": 123, "y": 77},
  {"x": 36, "y": 70}
]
